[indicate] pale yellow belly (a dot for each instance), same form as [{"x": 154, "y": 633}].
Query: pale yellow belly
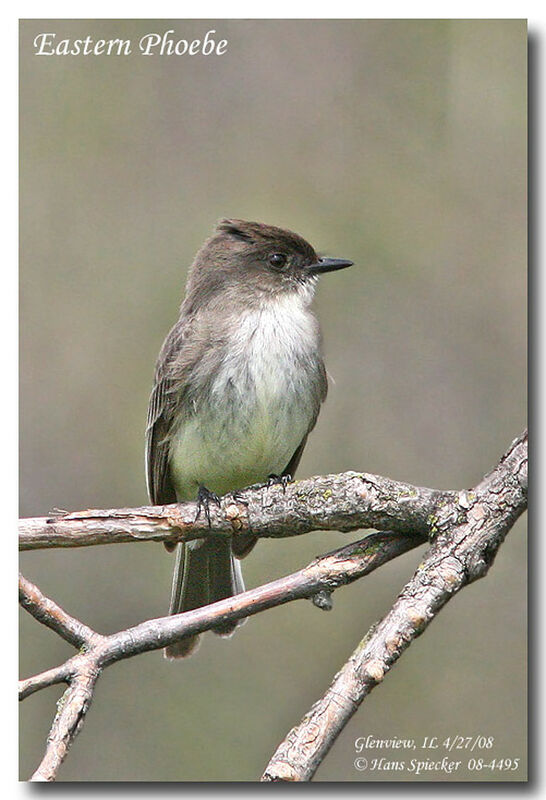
[
  {"x": 254, "y": 414},
  {"x": 228, "y": 457}
]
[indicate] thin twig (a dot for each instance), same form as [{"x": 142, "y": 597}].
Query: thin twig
[
  {"x": 61, "y": 674},
  {"x": 53, "y": 616}
]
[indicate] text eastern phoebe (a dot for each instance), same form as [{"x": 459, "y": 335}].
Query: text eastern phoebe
[{"x": 238, "y": 386}]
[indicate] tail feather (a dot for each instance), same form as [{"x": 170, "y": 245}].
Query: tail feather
[{"x": 203, "y": 574}]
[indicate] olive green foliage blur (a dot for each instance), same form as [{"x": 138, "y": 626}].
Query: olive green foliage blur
[{"x": 398, "y": 144}]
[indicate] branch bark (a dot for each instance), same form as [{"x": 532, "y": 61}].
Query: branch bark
[
  {"x": 346, "y": 502},
  {"x": 466, "y": 527},
  {"x": 53, "y": 616},
  {"x": 462, "y": 552},
  {"x": 317, "y": 580}
]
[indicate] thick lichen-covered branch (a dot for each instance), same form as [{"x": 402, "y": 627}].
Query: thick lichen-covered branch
[{"x": 346, "y": 502}]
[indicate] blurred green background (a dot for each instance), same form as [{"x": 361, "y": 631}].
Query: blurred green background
[{"x": 400, "y": 144}]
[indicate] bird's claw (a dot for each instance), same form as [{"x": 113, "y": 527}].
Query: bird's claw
[
  {"x": 237, "y": 497},
  {"x": 204, "y": 498},
  {"x": 279, "y": 480}
]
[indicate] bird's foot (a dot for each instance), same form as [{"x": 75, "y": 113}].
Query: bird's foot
[
  {"x": 278, "y": 480},
  {"x": 272, "y": 480},
  {"x": 238, "y": 497},
  {"x": 204, "y": 498}
]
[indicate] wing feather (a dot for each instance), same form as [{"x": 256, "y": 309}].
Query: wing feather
[{"x": 163, "y": 406}]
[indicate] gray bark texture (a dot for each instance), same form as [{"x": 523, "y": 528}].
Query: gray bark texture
[
  {"x": 469, "y": 534},
  {"x": 465, "y": 528},
  {"x": 346, "y": 502}
]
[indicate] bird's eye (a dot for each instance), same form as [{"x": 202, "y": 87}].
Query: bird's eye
[{"x": 278, "y": 260}]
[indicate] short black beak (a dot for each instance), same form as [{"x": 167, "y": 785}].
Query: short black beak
[{"x": 329, "y": 265}]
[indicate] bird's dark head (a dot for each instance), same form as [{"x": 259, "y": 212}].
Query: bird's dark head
[{"x": 257, "y": 260}]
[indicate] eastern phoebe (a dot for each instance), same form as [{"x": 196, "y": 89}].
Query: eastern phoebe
[{"x": 238, "y": 386}]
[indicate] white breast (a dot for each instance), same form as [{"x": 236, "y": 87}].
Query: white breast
[{"x": 261, "y": 403}]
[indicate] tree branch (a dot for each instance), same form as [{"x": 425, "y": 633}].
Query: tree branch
[
  {"x": 50, "y": 677},
  {"x": 72, "y": 708},
  {"x": 345, "y": 502},
  {"x": 467, "y": 529},
  {"x": 53, "y": 616},
  {"x": 461, "y": 553},
  {"x": 320, "y": 577}
]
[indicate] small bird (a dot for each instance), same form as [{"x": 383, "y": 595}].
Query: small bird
[{"x": 238, "y": 386}]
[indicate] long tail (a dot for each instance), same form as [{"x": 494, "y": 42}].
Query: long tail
[{"x": 203, "y": 574}]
